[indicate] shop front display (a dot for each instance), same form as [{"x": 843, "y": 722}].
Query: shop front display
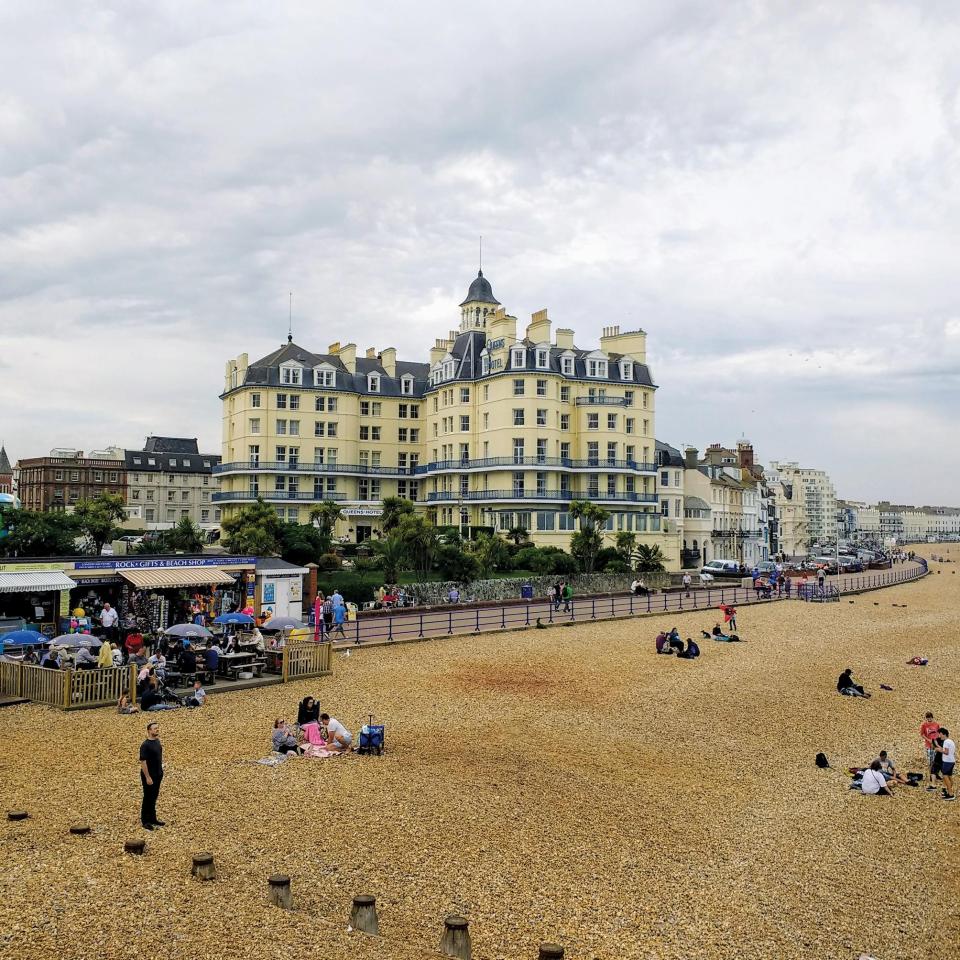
[{"x": 34, "y": 595}]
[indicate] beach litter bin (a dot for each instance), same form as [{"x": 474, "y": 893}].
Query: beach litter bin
[{"x": 526, "y": 591}]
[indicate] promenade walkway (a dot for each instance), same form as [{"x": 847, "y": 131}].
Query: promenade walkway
[{"x": 409, "y": 625}]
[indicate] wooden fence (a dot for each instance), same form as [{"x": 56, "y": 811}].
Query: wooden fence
[
  {"x": 306, "y": 659},
  {"x": 67, "y": 689}
]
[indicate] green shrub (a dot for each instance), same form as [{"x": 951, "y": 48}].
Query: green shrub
[{"x": 354, "y": 587}]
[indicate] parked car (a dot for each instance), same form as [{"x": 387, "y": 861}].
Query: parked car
[
  {"x": 722, "y": 568},
  {"x": 766, "y": 568}
]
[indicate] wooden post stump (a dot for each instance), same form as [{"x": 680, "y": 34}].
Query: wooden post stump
[
  {"x": 17, "y": 815},
  {"x": 203, "y": 866},
  {"x": 550, "y": 951},
  {"x": 134, "y": 846},
  {"x": 279, "y": 891},
  {"x": 363, "y": 915},
  {"x": 80, "y": 829},
  {"x": 455, "y": 941}
]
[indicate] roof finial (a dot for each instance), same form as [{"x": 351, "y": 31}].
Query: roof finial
[
  {"x": 290, "y": 321},
  {"x": 480, "y": 271}
]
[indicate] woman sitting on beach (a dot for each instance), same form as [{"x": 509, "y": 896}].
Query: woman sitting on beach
[
  {"x": 124, "y": 706},
  {"x": 283, "y": 739},
  {"x": 308, "y": 711}
]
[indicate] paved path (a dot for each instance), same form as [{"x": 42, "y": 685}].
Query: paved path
[{"x": 422, "y": 623}]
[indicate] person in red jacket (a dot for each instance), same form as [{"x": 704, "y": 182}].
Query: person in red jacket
[{"x": 133, "y": 644}]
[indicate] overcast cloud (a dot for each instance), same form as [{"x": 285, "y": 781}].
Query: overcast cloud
[{"x": 769, "y": 189}]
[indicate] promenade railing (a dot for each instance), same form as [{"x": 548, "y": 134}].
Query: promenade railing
[{"x": 416, "y": 624}]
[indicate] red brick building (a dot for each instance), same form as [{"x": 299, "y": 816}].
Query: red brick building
[{"x": 59, "y": 482}]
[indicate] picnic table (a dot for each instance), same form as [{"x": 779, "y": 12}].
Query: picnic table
[{"x": 231, "y": 664}]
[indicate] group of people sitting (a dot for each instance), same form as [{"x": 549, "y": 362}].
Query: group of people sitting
[
  {"x": 315, "y": 734},
  {"x": 671, "y": 643},
  {"x": 882, "y": 776},
  {"x": 394, "y": 596}
]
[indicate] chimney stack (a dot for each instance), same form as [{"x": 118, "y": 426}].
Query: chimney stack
[{"x": 690, "y": 458}]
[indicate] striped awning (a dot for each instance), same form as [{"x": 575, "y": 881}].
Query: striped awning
[
  {"x": 35, "y": 580},
  {"x": 165, "y": 577}
]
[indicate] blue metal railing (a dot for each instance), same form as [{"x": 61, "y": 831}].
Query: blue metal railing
[
  {"x": 410, "y": 624},
  {"x": 565, "y": 495}
]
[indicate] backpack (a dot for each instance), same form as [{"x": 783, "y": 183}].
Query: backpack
[{"x": 821, "y": 761}]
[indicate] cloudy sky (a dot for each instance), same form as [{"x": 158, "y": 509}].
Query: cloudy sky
[{"x": 771, "y": 190}]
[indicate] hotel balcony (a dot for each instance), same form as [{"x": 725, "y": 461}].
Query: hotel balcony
[
  {"x": 274, "y": 496},
  {"x": 565, "y": 496},
  {"x": 590, "y": 465},
  {"x": 599, "y": 401}
]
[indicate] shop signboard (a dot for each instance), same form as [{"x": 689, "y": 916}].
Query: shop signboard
[
  {"x": 31, "y": 567},
  {"x": 269, "y": 592},
  {"x": 362, "y": 512},
  {"x": 165, "y": 562},
  {"x": 295, "y": 584}
]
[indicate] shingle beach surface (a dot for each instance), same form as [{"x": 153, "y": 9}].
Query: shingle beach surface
[{"x": 562, "y": 785}]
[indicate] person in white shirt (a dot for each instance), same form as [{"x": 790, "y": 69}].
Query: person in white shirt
[
  {"x": 339, "y": 738},
  {"x": 948, "y": 758},
  {"x": 116, "y": 655},
  {"x": 686, "y": 583},
  {"x": 874, "y": 782},
  {"x": 108, "y": 619}
]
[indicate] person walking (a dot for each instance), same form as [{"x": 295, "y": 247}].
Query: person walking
[
  {"x": 151, "y": 776},
  {"x": 686, "y": 583},
  {"x": 567, "y": 597},
  {"x": 339, "y": 615},
  {"x": 557, "y": 595}
]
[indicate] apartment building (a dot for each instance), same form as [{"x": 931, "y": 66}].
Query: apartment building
[
  {"x": 816, "y": 490},
  {"x": 64, "y": 477},
  {"x": 170, "y": 479},
  {"x": 500, "y": 428}
]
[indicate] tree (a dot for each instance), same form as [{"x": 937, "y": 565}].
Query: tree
[
  {"x": 255, "y": 529},
  {"x": 97, "y": 518},
  {"x": 185, "y": 536},
  {"x": 421, "y": 539},
  {"x": 626, "y": 542},
  {"x": 518, "y": 535},
  {"x": 33, "y": 534},
  {"x": 648, "y": 559},
  {"x": 453, "y": 563},
  {"x": 301, "y": 543},
  {"x": 393, "y": 555},
  {"x": 325, "y": 516},
  {"x": 585, "y": 544},
  {"x": 394, "y": 510},
  {"x": 492, "y": 553}
]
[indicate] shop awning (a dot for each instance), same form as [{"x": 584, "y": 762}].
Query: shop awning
[
  {"x": 166, "y": 577},
  {"x": 35, "y": 580}
]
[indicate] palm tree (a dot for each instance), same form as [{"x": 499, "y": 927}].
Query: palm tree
[
  {"x": 648, "y": 559},
  {"x": 586, "y": 543},
  {"x": 392, "y": 555}
]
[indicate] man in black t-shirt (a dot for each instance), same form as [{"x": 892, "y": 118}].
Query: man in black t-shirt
[{"x": 151, "y": 775}]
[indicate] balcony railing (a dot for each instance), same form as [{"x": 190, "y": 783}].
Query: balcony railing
[
  {"x": 599, "y": 401},
  {"x": 537, "y": 463},
  {"x": 452, "y": 496},
  {"x": 488, "y": 463},
  {"x": 222, "y": 496},
  {"x": 305, "y": 466}
]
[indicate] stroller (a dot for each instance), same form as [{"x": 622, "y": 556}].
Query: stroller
[{"x": 371, "y": 738}]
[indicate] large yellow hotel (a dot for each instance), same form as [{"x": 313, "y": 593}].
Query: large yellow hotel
[{"x": 496, "y": 430}]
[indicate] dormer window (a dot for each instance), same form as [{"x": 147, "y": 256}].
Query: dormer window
[
  {"x": 324, "y": 376},
  {"x": 518, "y": 357},
  {"x": 436, "y": 372},
  {"x": 373, "y": 382},
  {"x": 597, "y": 365},
  {"x": 484, "y": 362},
  {"x": 448, "y": 369},
  {"x": 626, "y": 370},
  {"x": 567, "y": 364},
  {"x": 406, "y": 385},
  {"x": 291, "y": 373},
  {"x": 543, "y": 357}
]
